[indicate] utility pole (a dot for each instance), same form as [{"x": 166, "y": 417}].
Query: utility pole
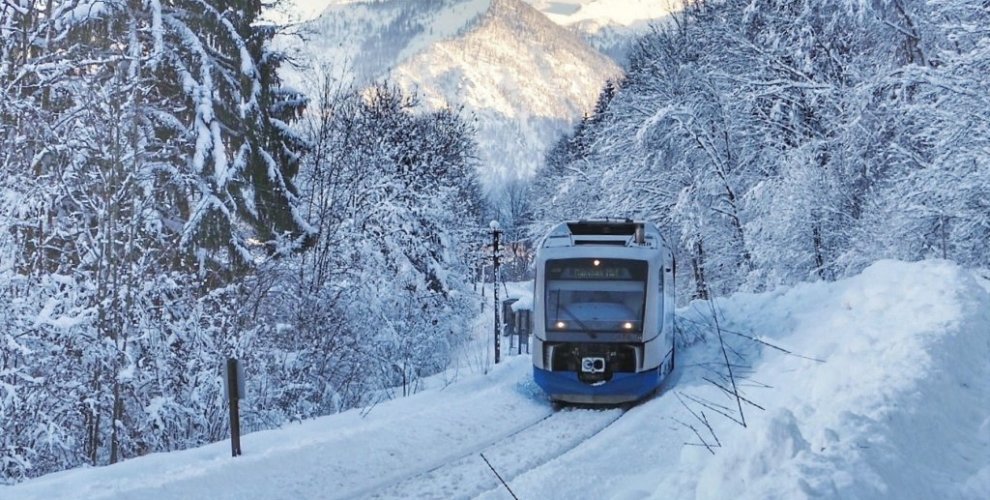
[{"x": 496, "y": 232}]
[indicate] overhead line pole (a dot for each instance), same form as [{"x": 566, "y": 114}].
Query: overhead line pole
[{"x": 498, "y": 338}]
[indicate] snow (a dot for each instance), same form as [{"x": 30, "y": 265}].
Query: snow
[
  {"x": 446, "y": 24},
  {"x": 604, "y": 12},
  {"x": 563, "y": 12},
  {"x": 522, "y": 79},
  {"x": 885, "y": 393},
  {"x": 64, "y": 321},
  {"x": 309, "y": 9},
  {"x": 88, "y": 10}
]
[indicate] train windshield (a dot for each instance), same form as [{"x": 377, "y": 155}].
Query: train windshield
[{"x": 598, "y": 295}]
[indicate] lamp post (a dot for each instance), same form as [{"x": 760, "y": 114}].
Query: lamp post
[{"x": 496, "y": 233}]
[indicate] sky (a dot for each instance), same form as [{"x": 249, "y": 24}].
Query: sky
[{"x": 871, "y": 387}]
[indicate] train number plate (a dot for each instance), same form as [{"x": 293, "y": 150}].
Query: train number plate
[{"x": 593, "y": 365}]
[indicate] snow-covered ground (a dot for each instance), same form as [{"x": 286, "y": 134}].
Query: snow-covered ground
[{"x": 884, "y": 393}]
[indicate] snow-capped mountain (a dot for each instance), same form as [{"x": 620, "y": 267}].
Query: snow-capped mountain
[
  {"x": 609, "y": 25},
  {"x": 525, "y": 78}
]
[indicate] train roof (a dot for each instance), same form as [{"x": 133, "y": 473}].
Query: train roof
[{"x": 604, "y": 232}]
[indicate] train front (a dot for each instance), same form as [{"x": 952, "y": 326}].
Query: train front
[{"x": 599, "y": 313}]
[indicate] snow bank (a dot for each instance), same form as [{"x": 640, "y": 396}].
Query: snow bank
[{"x": 899, "y": 409}]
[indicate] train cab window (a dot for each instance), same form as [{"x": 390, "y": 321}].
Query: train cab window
[{"x": 598, "y": 295}]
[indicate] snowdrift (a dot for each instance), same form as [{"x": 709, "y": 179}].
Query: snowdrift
[
  {"x": 900, "y": 407},
  {"x": 884, "y": 393}
]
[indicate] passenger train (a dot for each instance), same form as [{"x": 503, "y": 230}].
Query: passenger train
[{"x": 603, "y": 312}]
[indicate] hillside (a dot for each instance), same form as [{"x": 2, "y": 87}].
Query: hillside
[
  {"x": 365, "y": 39},
  {"x": 610, "y": 26},
  {"x": 525, "y": 79},
  {"x": 882, "y": 394}
]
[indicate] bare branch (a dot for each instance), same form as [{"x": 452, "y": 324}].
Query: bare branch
[{"x": 721, "y": 342}]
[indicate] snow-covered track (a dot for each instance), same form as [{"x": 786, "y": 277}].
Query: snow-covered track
[
  {"x": 483, "y": 443},
  {"x": 468, "y": 475}
]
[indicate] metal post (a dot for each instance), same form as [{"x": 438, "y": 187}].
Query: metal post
[
  {"x": 498, "y": 338},
  {"x": 234, "y": 395}
]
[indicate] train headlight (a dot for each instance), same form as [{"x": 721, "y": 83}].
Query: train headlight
[
  {"x": 560, "y": 325},
  {"x": 628, "y": 325},
  {"x": 597, "y": 262}
]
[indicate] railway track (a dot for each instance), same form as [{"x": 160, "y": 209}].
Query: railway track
[
  {"x": 371, "y": 489},
  {"x": 466, "y": 475}
]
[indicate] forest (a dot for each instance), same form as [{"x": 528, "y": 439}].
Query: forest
[
  {"x": 780, "y": 141},
  {"x": 167, "y": 203}
]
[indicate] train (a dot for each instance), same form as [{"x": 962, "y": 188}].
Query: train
[{"x": 603, "y": 312}]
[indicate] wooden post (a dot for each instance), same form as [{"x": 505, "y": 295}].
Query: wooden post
[{"x": 233, "y": 396}]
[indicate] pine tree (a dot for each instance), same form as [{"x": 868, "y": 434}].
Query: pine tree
[
  {"x": 146, "y": 147},
  {"x": 237, "y": 115}
]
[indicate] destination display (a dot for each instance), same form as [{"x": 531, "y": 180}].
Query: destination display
[{"x": 597, "y": 270}]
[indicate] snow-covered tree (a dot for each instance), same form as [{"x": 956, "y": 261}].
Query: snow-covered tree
[
  {"x": 415, "y": 202},
  {"x": 933, "y": 202},
  {"x": 783, "y": 141},
  {"x": 145, "y": 146}
]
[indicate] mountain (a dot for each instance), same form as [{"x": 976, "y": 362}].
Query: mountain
[
  {"x": 524, "y": 78},
  {"x": 610, "y": 26}
]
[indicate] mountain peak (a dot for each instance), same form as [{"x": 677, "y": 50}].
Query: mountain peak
[{"x": 526, "y": 79}]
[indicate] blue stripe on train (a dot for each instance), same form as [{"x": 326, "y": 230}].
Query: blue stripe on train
[{"x": 623, "y": 387}]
